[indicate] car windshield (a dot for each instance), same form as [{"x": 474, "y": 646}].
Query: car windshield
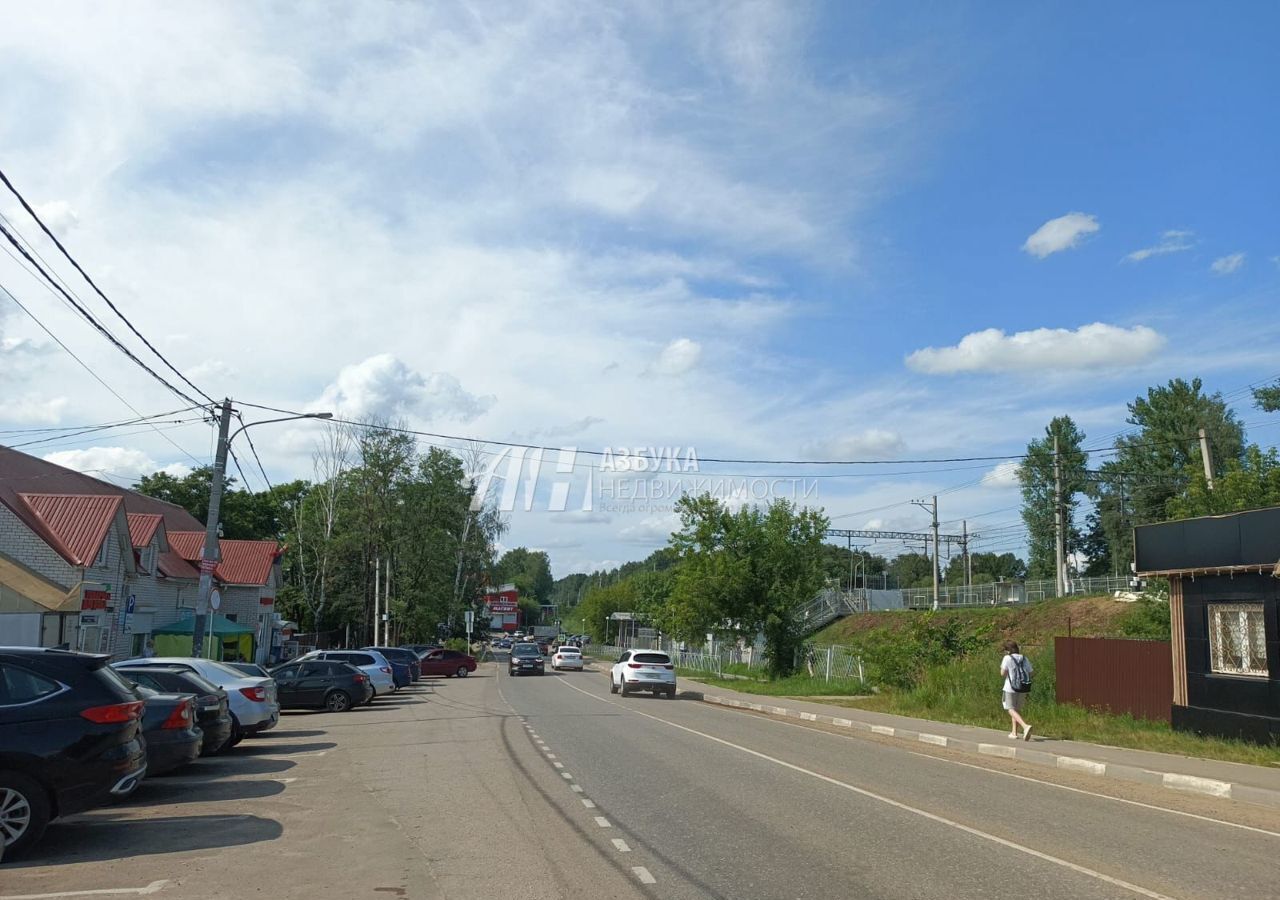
[{"x": 525, "y": 650}]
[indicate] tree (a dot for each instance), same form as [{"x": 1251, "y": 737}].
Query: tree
[
  {"x": 1163, "y": 457},
  {"x": 1267, "y": 398},
  {"x": 910, "y": 570},
  {"x": 1250, "y": 483},
  {"x": 314, "y": 547},
  {"x": 986, "y": 567},
  {"x": 244, "y": 515},
  {"x": 529, "y": 570},
  {"x": 1036, "y": 475},
  {"x": 746, "y": 573}
]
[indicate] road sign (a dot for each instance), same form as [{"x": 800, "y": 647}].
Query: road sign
[
  {"x": 215, "y": 599},
  {"x": 208, "y": 565},
  {"x": 130, "y": 604},
  {"x": 470, "y": 617}
]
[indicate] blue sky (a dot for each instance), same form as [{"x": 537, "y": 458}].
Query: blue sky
[{"x": 731, "y": 226}]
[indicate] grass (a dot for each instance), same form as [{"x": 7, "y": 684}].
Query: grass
[{"x": 795, "y": 686}]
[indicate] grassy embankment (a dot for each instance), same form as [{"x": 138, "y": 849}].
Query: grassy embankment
[{"x": 945, "y": 666}]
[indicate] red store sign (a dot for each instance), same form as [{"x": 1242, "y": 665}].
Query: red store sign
[{"x": 95, "y": 600}]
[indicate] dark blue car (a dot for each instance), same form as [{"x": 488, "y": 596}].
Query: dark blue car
[{"x": 401, "y": 673}]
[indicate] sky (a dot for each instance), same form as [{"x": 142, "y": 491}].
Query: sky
[{"x": 739, "y": 230}]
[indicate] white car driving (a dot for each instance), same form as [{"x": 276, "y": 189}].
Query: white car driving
[
  {"x": 251, "y": 699},
  {"x": 567, "y": 658},
  {"x": 643, "y": 670}
]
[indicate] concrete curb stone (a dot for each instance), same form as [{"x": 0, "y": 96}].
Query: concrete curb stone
[{"x": 1175, "y": 781}]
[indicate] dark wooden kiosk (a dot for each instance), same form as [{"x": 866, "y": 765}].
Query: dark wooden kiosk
[{"x": 1224, "y": 599}]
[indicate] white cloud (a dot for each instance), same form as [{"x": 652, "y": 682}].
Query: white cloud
[
  {"x": 58, "y": 215},
  {"x": 1061, "y": 233},
  {"x": 1228, "y": 265},
  {"x": 209, "y": 370},
  {"x": 579, "y": 517},
  {"x": 384, "y": 386},
  {"x": 1045, "y": 349},
  {"x": 651, "y": 530},
  {"x": 678, "y": 358},
  {"x": 1170, "y": 242},
  {"x": 127, "y": 462},
  {"x": 1004, "y": 475},
  {"x": 32, "y": 410},
  {"x": 874, "y": 443}
]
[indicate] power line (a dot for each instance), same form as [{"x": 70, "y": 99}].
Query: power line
[
  {"x": 65, "y": 437},
  {"x": 88, "y": 316},
  {"x": 85, "y": 275},
  {"x": 95, "y": 375}
]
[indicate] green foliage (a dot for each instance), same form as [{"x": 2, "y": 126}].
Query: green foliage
[
  {"x": 1267, "y": 398},
  {"x": 911, "y": 570},
  {"x": 244, "y": 515},
  {"x": 1036, "y": 475},
  {"x": 529, "y": 570},
  {"x": 900, "y": 658},
  {"x": 458, "y": 643},
  {"x": 1251, "y": 482},
  {"x": 746, "y": 573},
  {"x": 987, "y": 567},
  {"x": 1148, "y": 618}
]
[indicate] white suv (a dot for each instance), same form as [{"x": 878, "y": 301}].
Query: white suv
[{"x": 643, "y": 670}]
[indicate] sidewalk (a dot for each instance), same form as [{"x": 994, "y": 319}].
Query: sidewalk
[{"x": 1232, "y": 781}]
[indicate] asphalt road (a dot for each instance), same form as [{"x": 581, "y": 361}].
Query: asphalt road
[{"x": 542, "y": 787}]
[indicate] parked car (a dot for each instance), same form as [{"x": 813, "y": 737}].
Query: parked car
[
  {"x": 254, "y": 707},
  {"x": 370, "y": 662},
  {"x": 406, "y": 665},
  {"x": 567, "y": 658},
  {"x": 70, "y": 739},
  {"x": 448, "y": 663},
  {"x": 169, "y": 727},
  {"x": 213, "y": 712},
  {"x": 643, "y": 670},
  {"x": 525, "y": 658},
  {"x": 420, "y": 649},
  {"x": 322, "y": 684},
  {"x": 250, "y": 669}
]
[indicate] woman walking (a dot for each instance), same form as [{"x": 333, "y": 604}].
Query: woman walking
[{"x": 1016, "y": 670}]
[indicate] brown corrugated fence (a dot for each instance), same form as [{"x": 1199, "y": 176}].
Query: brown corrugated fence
[{"x": 1114, "y": 674}]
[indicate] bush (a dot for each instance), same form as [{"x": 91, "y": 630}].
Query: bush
[
  {"x": 457, "y": 644},
  {"x": 1149, "y": 618}
]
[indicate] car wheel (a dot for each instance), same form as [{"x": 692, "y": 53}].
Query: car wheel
[
  {"x": 237, "y": 734},
  {"x": 613, "y": 687},
  {"x": 337, "y": 701},
  {"x": 462, "y": 672},
  {"x": 24, "y": 811},
  {"x": 622, "y": 688},
  {"x": 671, "y": 693}
]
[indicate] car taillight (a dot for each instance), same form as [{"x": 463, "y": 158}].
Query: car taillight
[
  {"x": 361, "y": 679},
  {"x": 668, "y": 666},
  {"x": 114, "y": 714},
  {"x": 634, "y": 666},
  {"x": 180, "y": 717},
  {"x": 385, "y": 669},
  {"x": 257, "y": 694}
]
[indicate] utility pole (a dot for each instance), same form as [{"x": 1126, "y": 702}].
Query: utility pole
[
  {"x": 932, "y": 508},
  {"x": 1058, "y": 527},
  {"x": 209, "y": 557},
  {"x": 386, "y": 608},
  {"x": 377, "y": 597},
  {"x": 968, "y": 561},
  {"x": 1206, "y": 458}
]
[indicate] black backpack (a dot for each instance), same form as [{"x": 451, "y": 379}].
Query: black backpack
[{"x": 1019, "y": 675}]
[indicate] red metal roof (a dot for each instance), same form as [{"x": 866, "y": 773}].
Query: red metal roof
[
  {"x": 172, "y": 565},
  {"x": 142, "y": 528},
  {"x": 75, "y": 524},
  {"x": 188, "y": 544},
  {"x": 247, "y": 562}
]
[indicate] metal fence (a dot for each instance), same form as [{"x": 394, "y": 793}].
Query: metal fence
[
  {"x": 1013, "y": 592},
  {"x": 826, "y": 662},
  {"x": 1118, "y": 675}
]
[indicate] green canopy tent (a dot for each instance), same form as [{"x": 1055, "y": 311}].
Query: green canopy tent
[{"x": 223, "y": 639}]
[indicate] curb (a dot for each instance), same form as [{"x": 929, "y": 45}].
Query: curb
[{"x": 1174, "y": 781}]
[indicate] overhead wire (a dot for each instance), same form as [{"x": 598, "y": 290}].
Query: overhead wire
[{"x": 93, "y": 284}]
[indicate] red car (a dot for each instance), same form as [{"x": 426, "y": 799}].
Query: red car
[{"x": 448, "y": 663}]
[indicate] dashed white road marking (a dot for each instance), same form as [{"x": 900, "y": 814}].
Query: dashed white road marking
[
  {"x": 643, "y": 874},
  {"x": 550, "y": 755},
  {"x": 566, "y": 775},
  {"x": 558, "y": 765},
  {"x": 603, "y": 822},
  {"x": 576, "y": 788},
  {"x": 152, "y": 888},
  {"x": 621, "y": 845},
  {"x": 896, "y": 804},
  {"x": 589, "y": 804}
]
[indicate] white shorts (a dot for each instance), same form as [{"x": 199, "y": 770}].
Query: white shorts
[{"x": 1014, "y": 700}]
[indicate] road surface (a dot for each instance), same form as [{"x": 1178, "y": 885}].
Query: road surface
[{"x": 550, "y": 787}]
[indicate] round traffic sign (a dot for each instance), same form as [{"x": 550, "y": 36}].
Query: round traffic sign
[{"x": 215, "y": 599}]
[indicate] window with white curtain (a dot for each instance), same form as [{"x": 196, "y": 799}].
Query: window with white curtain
[{"x": 1238, "y": 639}]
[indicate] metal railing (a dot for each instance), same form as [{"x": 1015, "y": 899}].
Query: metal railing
[
  {"x": 1014, "y": 592},
  {"x": 828, "y": 662}
]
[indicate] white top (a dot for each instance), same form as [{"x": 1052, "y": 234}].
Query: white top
[{"x": 1007, "y": 664}]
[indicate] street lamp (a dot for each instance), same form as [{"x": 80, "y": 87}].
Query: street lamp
[{"x": 209, "y": 556}]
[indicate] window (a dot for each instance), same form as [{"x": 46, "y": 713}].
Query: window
[
  {"x": 312, "y": 669},
  {"x": 20, "y": 686},
  {"x": 1237, "y": 639}
]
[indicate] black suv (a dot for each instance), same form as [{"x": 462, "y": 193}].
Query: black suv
[
  {"x": 525, "y": 658},
  {"x": 70, "y": 738},
  {"x": 321, "y": 684}
]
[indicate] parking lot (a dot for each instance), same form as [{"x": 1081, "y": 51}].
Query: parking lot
[{"x": 411, "y": 796}]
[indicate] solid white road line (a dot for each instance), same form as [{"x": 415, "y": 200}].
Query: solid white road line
[
  {"x": 100, "y": 892},
  {"x": 643, "y": 874},
  {"x": 896, "y": 804},
  {"x": 603, "y": 822},
  {"x": 621, "y": 845}
]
